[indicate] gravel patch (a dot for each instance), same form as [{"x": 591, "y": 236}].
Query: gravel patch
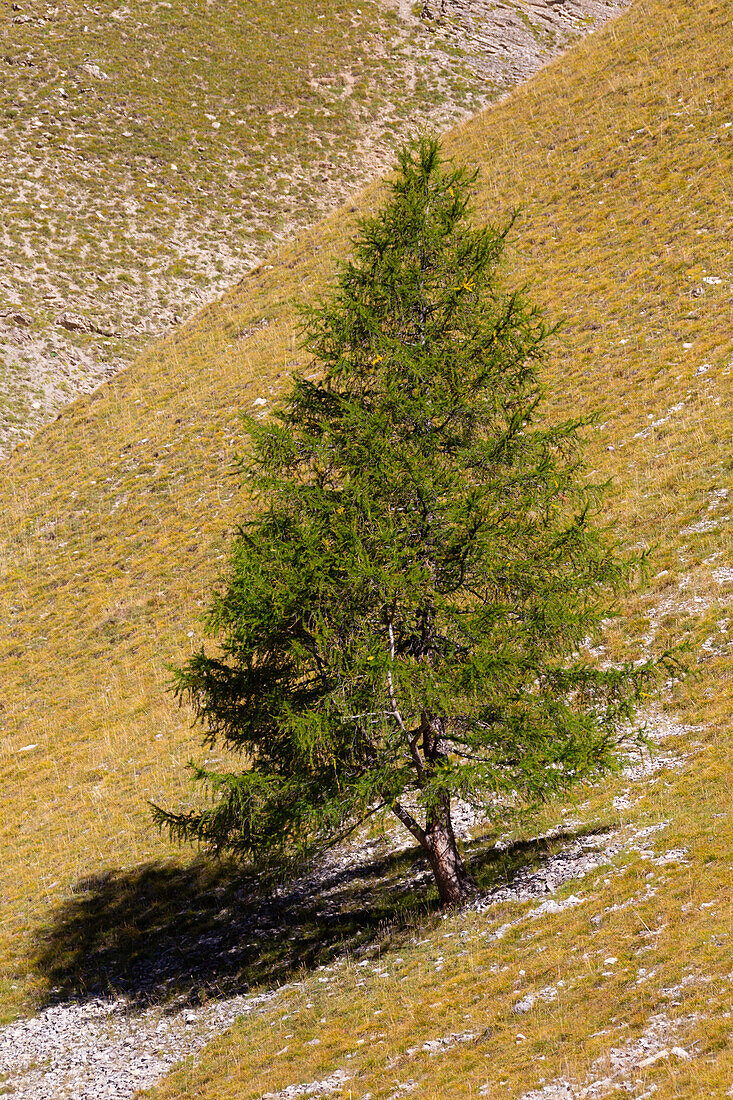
[
  {"x": 326, "y": 1087},
  {"x": 106, "y": 1048}
]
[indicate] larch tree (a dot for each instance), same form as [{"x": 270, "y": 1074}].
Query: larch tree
[{"x": 404, "y": 620}]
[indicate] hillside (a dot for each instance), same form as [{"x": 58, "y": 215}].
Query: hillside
[
  {"x": 153, "y": 151},
  {"x": 116, "y": 520}
]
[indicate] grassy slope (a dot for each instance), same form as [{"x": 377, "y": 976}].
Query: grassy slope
[
  {"x": 620, "y": 156},
  {"x": 146, "y": 184},
  {"x": 154, "y": 151}
]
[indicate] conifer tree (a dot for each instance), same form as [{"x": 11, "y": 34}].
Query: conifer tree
[{"x": 403, "y": 621}]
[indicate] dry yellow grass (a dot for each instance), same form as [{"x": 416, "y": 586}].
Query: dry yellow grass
[{"x": 115, "y": 522}]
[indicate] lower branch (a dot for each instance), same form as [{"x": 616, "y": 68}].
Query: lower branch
[{"x": 410, "y": 824}]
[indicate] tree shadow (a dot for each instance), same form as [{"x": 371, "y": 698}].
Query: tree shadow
[{"x": 167, "y": 932}]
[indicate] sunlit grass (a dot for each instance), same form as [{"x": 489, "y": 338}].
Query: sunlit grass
[{"x": 116, "y": 521}]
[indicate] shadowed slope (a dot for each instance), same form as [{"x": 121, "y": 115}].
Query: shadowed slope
[{"x": 206, "y": 929}]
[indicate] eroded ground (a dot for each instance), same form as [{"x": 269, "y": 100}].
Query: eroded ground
[{"x": 151, "y": 151}]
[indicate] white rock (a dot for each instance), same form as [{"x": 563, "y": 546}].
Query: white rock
[
  {"x": 660, "y": 1056},
  {"x": 553, "y": 906},
  {"x": 92, "y": 69}
]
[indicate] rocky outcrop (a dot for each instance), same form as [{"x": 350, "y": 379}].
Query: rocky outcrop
[{"x": 509, "y": 41}]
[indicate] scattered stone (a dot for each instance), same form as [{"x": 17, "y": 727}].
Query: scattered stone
[
  {"x": 440, "y": 1046},
  {"x": 326, "y": 1087},
  {"x": 91, "y": 68},
  {"x": 107, "y": 1049},
  {"x": 553, "y": 906},
  {"x": 654, "y": 1058},
  {"x": 702, "y": 527},
  {"x": 674, "y": 855},
  {"x": 530, "y": 999},
  {"x": 17, "y": 318},
  {"x": 613, "y": 1072},
  {"x": 73, "y": 323},
  {"x": 723, "y": 575}
]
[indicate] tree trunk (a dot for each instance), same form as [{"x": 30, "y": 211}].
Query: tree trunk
[
  {"x": 454, "y": 883},
  {"x": 438, "y": 841}
]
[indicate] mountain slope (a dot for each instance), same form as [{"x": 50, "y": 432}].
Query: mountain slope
[
  {"x": 115, "y": 525},
  {"x": 153, "y": 150}
]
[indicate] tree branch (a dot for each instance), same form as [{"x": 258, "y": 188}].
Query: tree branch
[
  {"x": 410, "y": 824},
  {"x": 411, "y": 741},
  {"x": 395, "y": 709},
  {"x": 338, "y": 838}
]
